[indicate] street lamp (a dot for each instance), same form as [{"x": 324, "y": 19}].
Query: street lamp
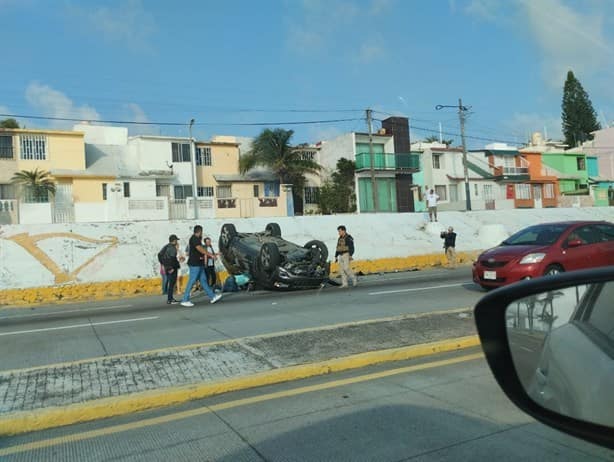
[
  {"x": 194, "y": 181},
  {"x": 461, "y": 115}
]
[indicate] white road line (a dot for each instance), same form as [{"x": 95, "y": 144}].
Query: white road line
[
  {"x": 416, "y": 289},
  {"x": 74, "y": 326},
  {"x": 99, "y": 308}
]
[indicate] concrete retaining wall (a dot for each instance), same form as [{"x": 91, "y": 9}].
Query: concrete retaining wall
[{"x": 58, "y": 259}]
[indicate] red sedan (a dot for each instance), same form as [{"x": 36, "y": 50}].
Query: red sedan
[{"x": 546, "y": 249}]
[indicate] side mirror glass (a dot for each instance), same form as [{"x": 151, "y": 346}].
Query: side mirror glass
[{"x": 562, "y": 347}]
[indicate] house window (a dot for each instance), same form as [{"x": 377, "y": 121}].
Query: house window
[
  {"x": 181, "y": 152},
  {"x": 7, "y": 191},
  {"x": 203, "y": 156},
  {"x": 104, "y": 191},
  {"x": 307, "y": 155},
  {"x": 162, "y": 190},
  {"x": 437, "y": 161},
  {"x": 205, "y": 191},
  {"x": 548, "y": 191},
  {"x": 523, "y": 191},
  {"x": 476, "y": 191},
  {"x": 440, "y": 190},
  {"x": 6, "y": 147},
  {"x": 224, "y": 192},
  {"x": 33, "y": 147},
  {"x": 256, "y": 190},
  {"x": 453, "y": 192},
  {"x": 581, "y": 161},
  {"x": 311, "y": 194},
  {"x": 126, "y": 189},
  {"x": 183, "y": 191}
]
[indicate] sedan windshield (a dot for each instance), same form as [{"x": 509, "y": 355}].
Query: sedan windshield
[{"x": 537, "y": 235}]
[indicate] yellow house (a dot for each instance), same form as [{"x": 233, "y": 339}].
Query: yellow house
[{"x": 254, "y": 194}]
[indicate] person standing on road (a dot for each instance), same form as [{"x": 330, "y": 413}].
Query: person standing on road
[
  {"x": 171, "y": 265},
  {"x": 344, "y": 255},
  {"x": 449, "y": 244},
  {"x": 196, "y": 263},
  {"x": 210, "y": 258},
  {"x": 431, "y": 203}
]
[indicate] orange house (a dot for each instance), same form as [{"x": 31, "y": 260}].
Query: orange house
[{"x": 543, "y": 180}]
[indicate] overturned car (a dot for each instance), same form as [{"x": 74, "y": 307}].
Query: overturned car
[{"x": 273, "y": 262}]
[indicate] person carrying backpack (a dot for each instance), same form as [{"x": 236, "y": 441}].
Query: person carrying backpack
[{"x": 171, "y": 264}]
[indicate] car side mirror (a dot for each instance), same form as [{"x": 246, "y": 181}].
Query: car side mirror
[
  {"x": 574, "y": 243},
  {"x": 550, "y": 345}
]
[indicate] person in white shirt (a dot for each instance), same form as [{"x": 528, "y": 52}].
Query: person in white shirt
[
  {"x": 431, "y": 203},
  {"x": 210, "y": 258}
]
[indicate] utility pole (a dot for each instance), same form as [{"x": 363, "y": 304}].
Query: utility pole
[
  {"x": 462, "y": 116},
  {"x": 194, "y": 180},
  {"x": 371, "y": 157}
]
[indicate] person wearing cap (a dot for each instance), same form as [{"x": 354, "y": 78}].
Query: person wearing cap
[{"x": 171, "y": 267}]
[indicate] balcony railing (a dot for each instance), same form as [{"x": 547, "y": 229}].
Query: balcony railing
[{"x": 388, "y": 161}]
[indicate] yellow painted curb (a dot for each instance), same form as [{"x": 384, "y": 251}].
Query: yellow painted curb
[
  {"x": 109, "y": 290},
  {"x": 23, "y": 422}
]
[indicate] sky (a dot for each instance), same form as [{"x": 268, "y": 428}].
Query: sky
[{"x": 276, "y": 61}]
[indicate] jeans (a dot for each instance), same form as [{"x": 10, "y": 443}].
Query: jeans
[
  {"x": 164, "y": 283},
  {"x": 197, "y": 273},
  {"x": 171, "y": 282}
]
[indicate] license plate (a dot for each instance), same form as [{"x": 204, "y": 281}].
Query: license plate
[{"x": 491, "y": 275}]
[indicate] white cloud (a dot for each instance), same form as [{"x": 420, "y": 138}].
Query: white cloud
[
  {"x": 568, "y": 39},
  {"x": 137, "y": 114},
  {"x": 53, "y": 103},
  {"x": 128, "y": 24},
  {"x": 522, "y": 125}
]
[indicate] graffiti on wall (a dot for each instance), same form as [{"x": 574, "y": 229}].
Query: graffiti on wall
[{"x": 29, "y": 242}]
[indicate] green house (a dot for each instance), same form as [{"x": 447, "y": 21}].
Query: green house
[{"x": 573, "y": 166}]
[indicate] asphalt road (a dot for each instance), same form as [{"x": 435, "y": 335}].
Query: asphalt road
[
  {"x": 52, "y": 334},
  {"x": 440, "y": 408}
]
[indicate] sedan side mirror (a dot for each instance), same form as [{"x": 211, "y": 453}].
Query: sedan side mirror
[
  {"x": 575, "y": 243},
  {"x": 550, "y": 344}
]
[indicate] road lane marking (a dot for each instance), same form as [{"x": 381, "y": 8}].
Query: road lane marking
[
  {"x": 267, "y": 335},
  {"x": 168, "y": 418},
  {"x": 416, "y": 289},
  {"x": 100, "y": 308},
  {"x": 75, "y": 326}
]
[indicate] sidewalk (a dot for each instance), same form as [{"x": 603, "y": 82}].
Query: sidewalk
[{"x": 48, "y": 396}]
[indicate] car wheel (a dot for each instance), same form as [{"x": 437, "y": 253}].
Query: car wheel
[
  {"x": 269, "y": 256},
  {"x": 553, "y": 269},
  {"x": 273, "y": 229},
  {"x": 227, "y": 235},
  {"x": 319, "y": 251}
]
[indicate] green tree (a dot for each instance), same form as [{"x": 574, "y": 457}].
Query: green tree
[
  {"x": 435, "y": 139},
  {"x": 338, "y": 195},
  {"x": 272, "y": 149},
  {"x": 9, "y": 123},
  {"x": 37, "y": 184},
  {"x": 579, "y": 117}
]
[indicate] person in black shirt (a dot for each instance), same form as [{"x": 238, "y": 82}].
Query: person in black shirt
[
  {"x": 196, "y": 263},
  {"x": 170, "y": 266},
  {"x": 449, "y": 244}
]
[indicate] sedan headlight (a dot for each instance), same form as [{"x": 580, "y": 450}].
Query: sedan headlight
[{"x": 532, "y": 258}]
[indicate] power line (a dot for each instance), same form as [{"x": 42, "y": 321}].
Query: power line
[
  {"x": 178, "y": 124},
  {"x": 478, "y": 138}
]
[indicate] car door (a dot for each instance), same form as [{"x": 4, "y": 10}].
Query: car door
[
  {"x": 586, "y": 255},
  {"x": 606, "y": 245}
]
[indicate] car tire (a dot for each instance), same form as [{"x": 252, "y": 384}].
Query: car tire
[
  {"x": 269, "y": 257},
  {"x": 273, "y": 229},
  {"x": 228, "y": 233},
  {"x": 322, "y": 250},
  {"x": 551, "y": 270}
]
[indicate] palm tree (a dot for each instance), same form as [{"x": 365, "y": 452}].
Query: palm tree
[
  {"x": 272, "y": 149},
  {"x": 37, "y": 184}
]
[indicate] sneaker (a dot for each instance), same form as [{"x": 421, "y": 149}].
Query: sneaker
[
  {"x": 216, "y": 298},
  {"x": 172, "y": 302},
  {"x": 187, "y": 304},
  {"x": 343, "y": 286}
]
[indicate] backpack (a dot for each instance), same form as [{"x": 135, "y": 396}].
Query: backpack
[{"x": 163, "y": 257}]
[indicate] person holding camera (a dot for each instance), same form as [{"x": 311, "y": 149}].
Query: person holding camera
[{"x": 449, "y": 245}]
